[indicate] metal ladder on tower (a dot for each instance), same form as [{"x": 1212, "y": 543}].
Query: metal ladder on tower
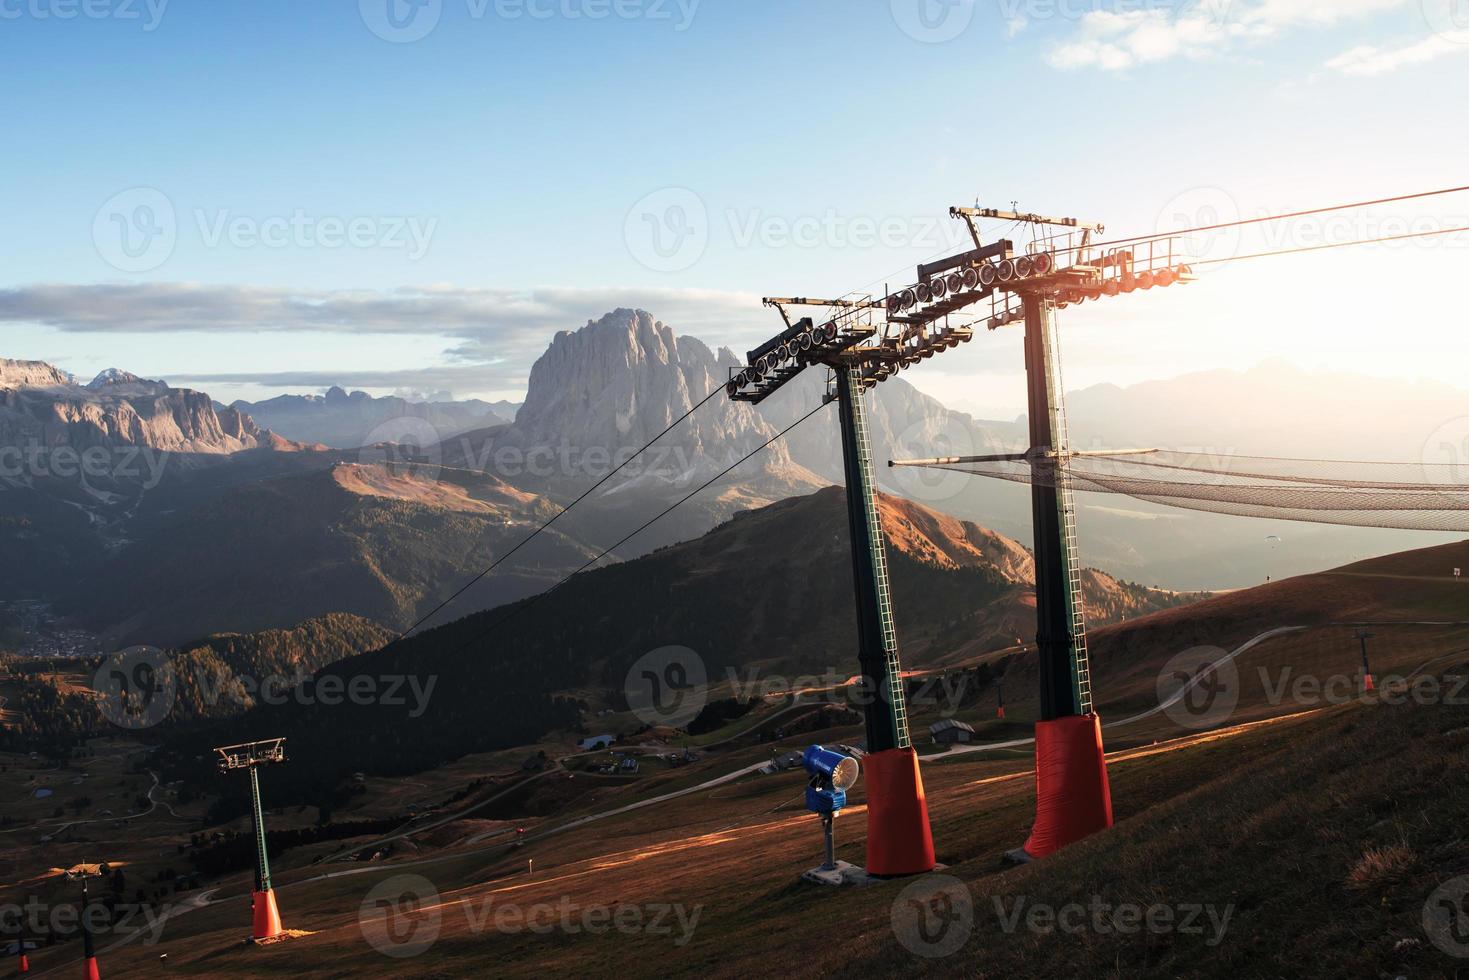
[
  {"x": 894, "y": 671},
  {"x": 1071, "y": 551}
]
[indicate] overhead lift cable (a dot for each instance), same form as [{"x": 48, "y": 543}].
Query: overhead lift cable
[
  {"x": 559, "y": 514},
  {"x": 526, "y": 604},
  {"x": 1263, "y": 219}
]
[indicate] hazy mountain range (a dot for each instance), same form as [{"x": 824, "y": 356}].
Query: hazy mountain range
[
  {"x": 346, "y": 421},
  {"x": 201, "y": 519}
]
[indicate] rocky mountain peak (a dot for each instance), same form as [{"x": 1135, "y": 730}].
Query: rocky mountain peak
[
  {"x": 47, "y": 407},
  {"x": 616, "y": 383},
  {"x": 30, "y": 374}
]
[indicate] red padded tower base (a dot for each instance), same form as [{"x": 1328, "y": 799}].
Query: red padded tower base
[
  {"x": 1368, "y": 683},
  {"x": 25, "y": 963},
  {"x": 899, "y": 840},
  {"x": 92, "y": 973},
  {"x": 267, "y": 916},
  {"x": 1072, "y": 798}
]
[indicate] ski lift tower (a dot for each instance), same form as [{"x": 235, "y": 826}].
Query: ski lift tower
[
  {"x": 861, "y": 343},
  {"x": 1060, "y": 266},
  {"x": 90, "y": 969},
  {"x": 251, "y": 756}
]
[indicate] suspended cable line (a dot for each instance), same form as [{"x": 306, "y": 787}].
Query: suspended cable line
[
  {"x": 521, "y": 607},
  {"x": 1280, "y": 217},
  {"x": 1318, "y": 248},
  {"x": 559, "y": 514},
  {"x": 1408, "y": 496}
]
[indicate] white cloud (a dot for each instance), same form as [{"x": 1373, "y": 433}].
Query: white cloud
[
  {"x": 1134, "y": 34},
  {"x": 504, "y": 328},
  {"x": 1367, "y": 59}
]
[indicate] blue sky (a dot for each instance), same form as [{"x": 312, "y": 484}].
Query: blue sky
[{"x": 329, "y": 196}]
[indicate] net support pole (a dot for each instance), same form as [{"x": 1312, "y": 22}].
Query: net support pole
[
  {"x": 1073, "y": 798},
  {"x": 899, "y": 839}
]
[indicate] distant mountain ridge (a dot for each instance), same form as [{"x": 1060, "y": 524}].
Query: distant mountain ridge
[
  {"x": 769, "y": 590},
  {"x": 347, "y": 421},
  {"x": 43, "y": 406}
]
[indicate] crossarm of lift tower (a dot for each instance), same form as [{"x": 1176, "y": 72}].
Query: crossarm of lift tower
[
  {"x": 251, "y": 754},
  {"x": 879, "y": 336}
]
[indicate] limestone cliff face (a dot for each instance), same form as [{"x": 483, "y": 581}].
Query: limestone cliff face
[
  {"x": 618, "y": 382},
  {"x": 41, "y": 406}
]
